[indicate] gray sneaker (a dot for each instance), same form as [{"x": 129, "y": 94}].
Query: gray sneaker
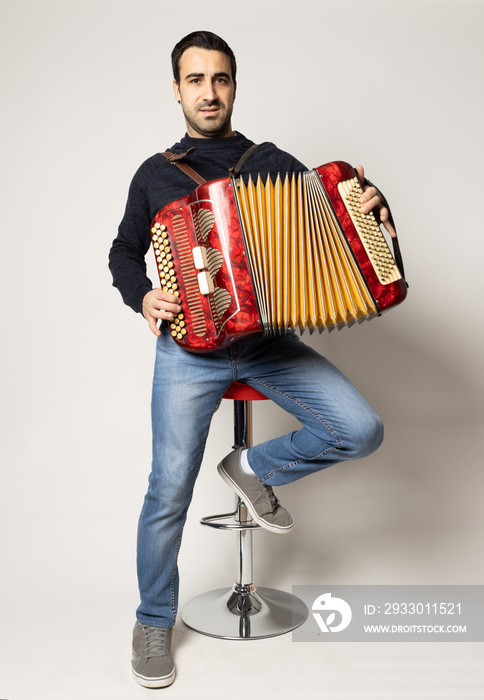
[
  {"x": 259, "y": 498},
  {"x": 152, "y": 663}
]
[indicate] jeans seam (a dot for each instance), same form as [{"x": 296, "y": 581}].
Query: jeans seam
[
  {"x": 298, "y": 461},
  {"x": 173, "y": 601},
  {"x": 172, "y": 581},
  {"x": 308, "y": 409},
  {"x": 233, "y": 362},
  {"x": 173, "y": 576}
]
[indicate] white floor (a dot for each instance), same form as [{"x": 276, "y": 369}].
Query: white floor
[
  {"x": 68, "y": 593},
  {"x": 73, "y": 656}
]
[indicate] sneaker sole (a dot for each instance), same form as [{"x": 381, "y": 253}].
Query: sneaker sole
[
  {"x": 160, "y": 682},
  {"x": 267, "y": 526}
]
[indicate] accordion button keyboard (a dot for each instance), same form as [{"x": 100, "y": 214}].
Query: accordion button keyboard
[{"x": 370, "y": 233}]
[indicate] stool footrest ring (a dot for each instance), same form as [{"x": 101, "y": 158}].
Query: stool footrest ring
[{"x": 216, "y": 522}]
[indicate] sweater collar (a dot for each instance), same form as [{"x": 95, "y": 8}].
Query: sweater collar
[{"x": 213, "y": 143}]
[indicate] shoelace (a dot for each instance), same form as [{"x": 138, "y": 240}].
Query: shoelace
[
  {"x": 273, "y": 500},
  {"x": 155, "y": 641}
]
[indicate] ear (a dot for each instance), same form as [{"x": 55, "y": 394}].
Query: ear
[
  {"x": 176, "y": 91},
  {"x": 235, "y": 88}
]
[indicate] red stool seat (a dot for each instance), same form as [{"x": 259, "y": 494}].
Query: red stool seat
[{"x": 239, "y": 391}]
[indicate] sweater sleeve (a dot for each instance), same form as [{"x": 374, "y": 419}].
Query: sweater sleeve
[{"x": 129, "y": 248}]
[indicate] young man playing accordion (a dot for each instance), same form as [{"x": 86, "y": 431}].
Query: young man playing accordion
[{"x": 337, "y": 422}]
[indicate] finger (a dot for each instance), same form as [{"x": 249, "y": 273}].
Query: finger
[
  {"x": 368, "y": 204},
  {"x": 159, "y": 294},
  {"x": 153, "y": 327},
  {"x": 154, "y": 314},
  {"x": 165, "y": 314},
  {"x": 169, "y": 307},
  {"x": 368, "y": 193},
  {"x": 361, "y": 174},
  {"x": 388, "y": 226},
  {"x": 169, "y": 298},
  {"x": 162, "y": 301},
  {"x": 385, "y": 220}
]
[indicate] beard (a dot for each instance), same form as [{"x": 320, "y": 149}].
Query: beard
[{"x": 206, "y": 125}]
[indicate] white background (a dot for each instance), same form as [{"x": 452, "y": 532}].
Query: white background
[{"x": 86, "y": 97}]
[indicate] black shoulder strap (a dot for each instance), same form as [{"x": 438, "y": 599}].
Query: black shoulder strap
[
  {"x": 177, "y": 159},
  {"x": 244, "y": 157}
]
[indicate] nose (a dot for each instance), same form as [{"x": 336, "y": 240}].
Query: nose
[{"x": 209, "y": 93}]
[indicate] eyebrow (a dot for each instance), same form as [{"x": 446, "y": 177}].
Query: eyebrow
[{"x": 220, "y": 74}]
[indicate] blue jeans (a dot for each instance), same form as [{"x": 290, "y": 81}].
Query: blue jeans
[{"x": 338, "y": 425}]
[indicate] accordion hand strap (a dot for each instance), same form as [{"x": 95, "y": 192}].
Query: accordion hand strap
[{"x": 395, "y": 244}]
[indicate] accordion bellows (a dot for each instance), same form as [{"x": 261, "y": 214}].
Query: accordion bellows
[{"x": 270, "y": 257}]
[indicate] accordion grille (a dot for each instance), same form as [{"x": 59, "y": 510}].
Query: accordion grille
[{"x": 304, "y": 272}]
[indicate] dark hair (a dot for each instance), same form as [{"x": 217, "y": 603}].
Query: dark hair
[{"x": 201, "y": 40}]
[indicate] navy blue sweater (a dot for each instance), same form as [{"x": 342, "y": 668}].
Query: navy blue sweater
[{"x": 157, "y": 183}]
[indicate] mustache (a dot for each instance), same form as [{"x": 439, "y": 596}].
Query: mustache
[{"x": 210, "y": 103}]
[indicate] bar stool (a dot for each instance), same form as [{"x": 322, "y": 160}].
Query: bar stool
[{"x": 243, "y": 611}]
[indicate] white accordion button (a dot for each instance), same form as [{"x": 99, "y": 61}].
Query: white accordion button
[
  {"x": 205, "y": 283},
  {"x": 200, "y": 257}
]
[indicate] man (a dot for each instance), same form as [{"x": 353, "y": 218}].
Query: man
[{"x": 337, "y": 422}]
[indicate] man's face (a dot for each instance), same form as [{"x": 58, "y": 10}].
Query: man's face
[{"x": 206, "y": 92}]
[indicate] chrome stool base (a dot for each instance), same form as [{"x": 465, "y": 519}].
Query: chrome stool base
[{"x": 258, "y": 614}]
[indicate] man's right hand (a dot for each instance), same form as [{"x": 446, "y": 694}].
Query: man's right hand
[{"x": 158, "y": 304}]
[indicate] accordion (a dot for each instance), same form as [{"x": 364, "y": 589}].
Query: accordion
[{"x": 269, "y": 257}]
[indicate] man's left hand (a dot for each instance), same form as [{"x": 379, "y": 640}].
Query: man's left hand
[{"x": 370, "y": 199}]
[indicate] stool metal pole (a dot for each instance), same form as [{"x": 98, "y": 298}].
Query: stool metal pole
[
  {"x": 244, "y": 557},
  {"x": 243, "y": 601}
]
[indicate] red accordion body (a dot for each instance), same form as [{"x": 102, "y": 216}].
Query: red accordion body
[{"x": 203, "y": 255}]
